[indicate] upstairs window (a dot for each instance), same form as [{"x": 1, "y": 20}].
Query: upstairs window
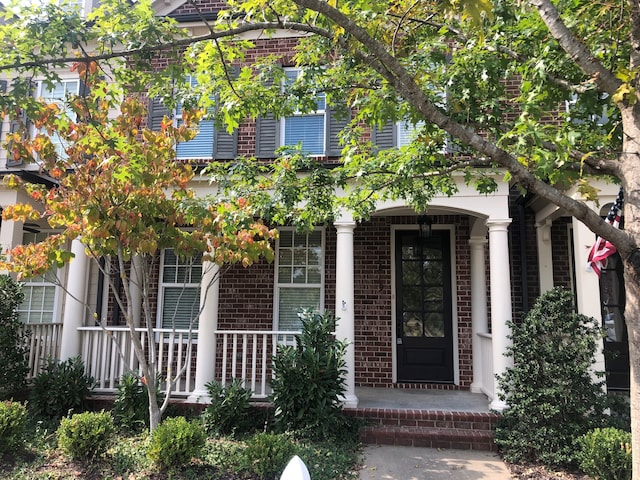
[
  {"x": 202, "y": 145},
  {"x": 299, "y": 276},
  {"x": 307, "y": 129},
  {"x": 58, "y": 93},
  {"x": 209, "y": 143}
]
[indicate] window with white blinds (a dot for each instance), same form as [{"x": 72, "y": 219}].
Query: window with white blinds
[
  {"x": 407, "y": 132},
  {"x": 179, "y": 290},
  {"x": 40, "y": 293},
  {"x": 306, "y": 129},
  {"x": 58, "y": 94},
  {"x": 202, "y": 145},
  {"x": 299, "y": 276}
]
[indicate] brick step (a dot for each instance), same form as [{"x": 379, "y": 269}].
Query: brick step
[
  {"x": 460, "y": 439},
  {"x": 427, "y": 428}
]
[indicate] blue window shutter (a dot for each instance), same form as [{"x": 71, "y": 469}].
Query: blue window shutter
[
  {"x": 267, "y": 136},
  {"x": 334, "y": 127},
  {"x": 384, "y": 137}
]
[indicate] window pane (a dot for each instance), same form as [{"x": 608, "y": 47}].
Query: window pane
[
  {"x": 284, "y": 274},
  {"x": 292, "y": 301},
  {"x": 285, "y": 257},
  {"x": 286, "y": 238},
  {"x": 305, "y": 129},
  {"x": 180, "y": 307},
  {"x": 300, "y": 256},
  {"x": 299, "y": 275},
  {"x": 201, "y": 146},
  {"x": 313, "y": 275}
]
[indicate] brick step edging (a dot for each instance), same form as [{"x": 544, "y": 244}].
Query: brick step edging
[{"x": 459, "y": 439}]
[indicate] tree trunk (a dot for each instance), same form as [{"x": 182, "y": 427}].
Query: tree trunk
[
  {"x": 155, "y": 415},
  {"x": 632, "y": 314}
]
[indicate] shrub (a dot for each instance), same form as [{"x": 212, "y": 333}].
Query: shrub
[
  {"x": 13, "y": 418},
  {"x": 267, "y": 454},
  {"x": 175, "y": 442},
  {"x": 13, "y": 341},
  {"x": 86, "y": 435},
  {"x": 309, "y": 379},
  {"x": 552, "y": 397},
  {"x": 130, "y": 407},
  {"x": 61, "y": 389},
  {"x": 230, "y": 409},
  {"x": 605, "y": 454}
]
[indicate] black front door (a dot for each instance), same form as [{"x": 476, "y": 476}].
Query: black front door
[{"x": 424, "y": 333}]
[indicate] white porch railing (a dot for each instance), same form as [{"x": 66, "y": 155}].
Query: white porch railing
[
  {"x": 243, "y": 354},
  {"x": 486, "y": 352},
  {"x": 44, "y": 343}
]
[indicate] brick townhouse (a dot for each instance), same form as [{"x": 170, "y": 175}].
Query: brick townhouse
[{"x": 424, "y": 300}]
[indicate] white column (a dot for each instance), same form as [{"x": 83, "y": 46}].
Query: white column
[
  {"x": 545, "y": 255},
  {"x": 587, "y": 284},
  {"x": 345, "y": 327},
  {"x": 75, "y": 302},
  {"x": 500, "y": 278},
  {"x": 207, "y": 326},
  {"x": 479, "y": 318}
]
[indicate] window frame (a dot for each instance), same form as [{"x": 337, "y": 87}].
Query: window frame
[
  {"x": 41, "y": 89},
  {"x": 177, "y": 119},
  {"x": 278, "y": 286},
  {"x": 163, "y": 286},
  {"x": 321, "y": 113},
  {"x": 42, "y": 282}
]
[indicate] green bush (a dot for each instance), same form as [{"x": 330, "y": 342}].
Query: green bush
[
  {"x": 175, "y": 442},
  {"x": 60, "y": 389},
  {"x": 13, "y": 418},
  {"x": 130, "y": 407},
  {"x": 551, "y": 395},
  {"x": 309, "y": 379},
  {"x": 86, "y": 435},
  {"x": 13, "y": 341},
  {"x": 230, "y": 409},
  {"x": 267, "y": 454},
  {"x": 605, "y": 454}
]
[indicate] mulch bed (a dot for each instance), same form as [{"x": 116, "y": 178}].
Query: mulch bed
[{"x": 541, "y": 472}]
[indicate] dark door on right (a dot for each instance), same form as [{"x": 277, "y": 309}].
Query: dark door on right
[{"x": 424, "y": 332}]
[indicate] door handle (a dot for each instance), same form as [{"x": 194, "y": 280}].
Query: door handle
[{"x": 399, "y": 341}]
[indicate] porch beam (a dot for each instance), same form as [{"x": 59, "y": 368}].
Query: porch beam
[
  {"x": 501, "y": 313},
  {"x": 345, "y": 328}
]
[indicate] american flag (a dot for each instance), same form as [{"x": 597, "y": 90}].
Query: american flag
[{"x": 603, "y": 248}]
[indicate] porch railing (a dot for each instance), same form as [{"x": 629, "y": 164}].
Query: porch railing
[
  {"x": 486, "y": 351},
  {"x": 44, "y": 343},
  {"x": 244, "y": 354}
]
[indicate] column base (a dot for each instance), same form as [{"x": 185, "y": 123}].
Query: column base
[
  {"x": 476, "y": 387},
  {"x": 199, "y": 396},
  {"x": 349, "y": 401},
  {"x": 498, "y": 405}
]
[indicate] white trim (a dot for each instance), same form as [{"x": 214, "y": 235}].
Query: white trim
[
  {"x": 454, "y": 298},
  {"x": 316, "y": 113},
  {"x": 161, "y": 289},
  {"x": 60, "y": 273},
  {"x": 276, "y": 286}
]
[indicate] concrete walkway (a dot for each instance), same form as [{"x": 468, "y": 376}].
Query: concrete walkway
[{"x": 383, "y": 462}]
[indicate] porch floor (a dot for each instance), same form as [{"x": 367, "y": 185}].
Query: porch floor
[{"x": 440, "y": 400}]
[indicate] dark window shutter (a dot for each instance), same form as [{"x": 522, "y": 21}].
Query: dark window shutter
[
  {"x": 225, "y": 144},
  {"x": 157, "y": 111},
  {"x": 267, "y": 136},
  {"x": 385, "y": 137},
  {"x": 335, "y": 124}
]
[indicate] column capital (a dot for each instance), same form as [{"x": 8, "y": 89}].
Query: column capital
[
  {"x": 478, "y": 241},
  {"x": 496, "y": 224},
  {"x": 344, "y": 225}
]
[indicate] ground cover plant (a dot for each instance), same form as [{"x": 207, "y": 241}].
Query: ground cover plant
[{"x": 223, "y": 458}]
